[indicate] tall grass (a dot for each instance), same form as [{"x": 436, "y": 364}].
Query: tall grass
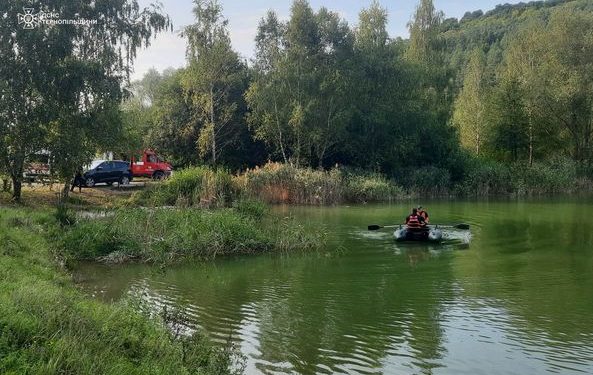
[
  {"x": 195, "y": 186},
  {"x": 494, "y": 178},
  {"x": 170, "y": 235},
  {"x": 47, "y": 326},
  {"x": 284, "y": 183},
  {"x": 273, "y": 183}
]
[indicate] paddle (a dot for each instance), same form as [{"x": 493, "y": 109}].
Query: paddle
[
  {"x": 457, "y": 226},
  {"x": 377, "y": 227}
]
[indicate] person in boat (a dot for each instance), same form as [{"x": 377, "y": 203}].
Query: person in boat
[
  {"x": 415, "y": 221},
  {"x": 424, "y": 214}
]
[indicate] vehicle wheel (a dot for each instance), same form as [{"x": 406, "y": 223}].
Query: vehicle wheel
[
  {"x": 158, "y": 175},
  {"x": 90, "y": 182},
  {"x": 125, "y": 180},
  {"x": 109, "y": 183}
]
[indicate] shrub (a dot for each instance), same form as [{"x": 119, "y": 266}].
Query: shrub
[
  {"x": 195, "y": 186},
  {"x": 370, "y": 187},
  {"x": 284, "y": 183},
  {"x": 429, "y": 180},
  {"x": 487, "y": 178},
  {"x": 251, "y": 208},
  {"x": 555, "y": 176}
]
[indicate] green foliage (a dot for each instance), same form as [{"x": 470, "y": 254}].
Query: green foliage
[
  {"x": 169, "y": 235},
  {"x": 251, "y": 208},
  {"x": 485, "y": 177},
  {"x": 47, "y": 326},
  {"x": 369, "y": 187},
  {"x": 469, "y": 115},
  {"x": 431, "y": 181},
  {"x": 61, "y": 84},
  {"x": 195, "y": 186},
  {"x": 64, "y": 216},
  {"x": 213, "y": 81}
]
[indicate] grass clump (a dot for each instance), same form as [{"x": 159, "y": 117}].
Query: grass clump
[
  {"x": 169, "y": 235},
  {"x": 284, "y": 183},
  {"x": 251, "y": 208},
  {"x": 370, "y": 187},
  {"x": 195, "y": 186},
  {"x": 48, "y": 327}
]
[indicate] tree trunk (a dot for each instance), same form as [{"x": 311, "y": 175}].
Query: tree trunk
[
  {"x": 17, "y": 185},
  {"x": 530, "y": 143},
  {"x": 65, "y": 192},
  {"x": 280, "y": 133},
  {"x": 5, "y": 185},
  {"x": 530, "y": 130},
  {"x": 212, "y": 121}
]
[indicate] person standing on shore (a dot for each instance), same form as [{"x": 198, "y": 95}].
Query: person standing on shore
[{"x": 78, "y": 181}]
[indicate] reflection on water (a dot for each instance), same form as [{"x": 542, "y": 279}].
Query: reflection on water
[{"x": 516, "y": 300}]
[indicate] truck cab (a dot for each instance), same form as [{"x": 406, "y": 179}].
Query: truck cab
[{"x": 149, "y": 164}]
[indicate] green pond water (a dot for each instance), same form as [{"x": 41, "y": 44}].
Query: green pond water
[{"x": 515, "y": 298}]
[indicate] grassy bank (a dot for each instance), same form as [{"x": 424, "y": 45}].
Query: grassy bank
[
  {"x": 48, "y": 327},
  {"x": 171, "y": 234}
]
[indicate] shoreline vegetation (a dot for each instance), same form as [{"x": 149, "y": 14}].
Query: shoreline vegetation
[
  {"x": 47, "y": 326},
  {"x": 164, "y": 236},
  {"x": 277, "y": 183}
]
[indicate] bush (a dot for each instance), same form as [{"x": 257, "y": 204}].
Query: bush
[
  {"x": 284, "y": 183},
  {"x": 429, "y": 181},
  {"x": 370, "y": 187},
  {"x": 487, "y": 178},
  {"x": 494, "y": 178},
  {"x": 556, "y": 176},
  {"x": 195, "y": 186}
]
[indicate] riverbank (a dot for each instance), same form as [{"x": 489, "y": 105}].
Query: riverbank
[{"x": 47, "y": 326}]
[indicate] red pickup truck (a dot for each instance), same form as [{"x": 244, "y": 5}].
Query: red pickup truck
[{"x": 150, "y": 165}]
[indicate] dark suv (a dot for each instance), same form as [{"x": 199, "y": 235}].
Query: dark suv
[{"x": 109, "y": 172}]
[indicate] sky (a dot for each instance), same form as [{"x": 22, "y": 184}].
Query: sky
[{"x": 168, "y": 49}]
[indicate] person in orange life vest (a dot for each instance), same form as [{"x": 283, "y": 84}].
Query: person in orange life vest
[
  {"x": 415, "y": 221},
  {"x": 424, "y": 214}
]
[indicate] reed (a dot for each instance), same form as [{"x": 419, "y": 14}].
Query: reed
[
  {"x": 170, "y": 235},
  {"x": 284, "y": 183}
]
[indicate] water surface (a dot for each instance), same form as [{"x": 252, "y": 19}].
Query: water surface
[{"x": 518, "y": 299}]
